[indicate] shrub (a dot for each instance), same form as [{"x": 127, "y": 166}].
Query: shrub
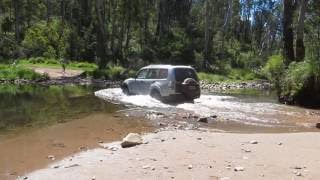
[
  {"x": 112, "y": 73},
  {"x": 295, "y": 78},
  {"x": 211, "y": 78},
  {"x": 274, "y": 68}
]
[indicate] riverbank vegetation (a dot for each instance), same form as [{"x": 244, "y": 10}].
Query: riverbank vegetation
[{"x": 225, "y": 40}]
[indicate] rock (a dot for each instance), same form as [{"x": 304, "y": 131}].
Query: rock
[
  {"x": 71, "y": 166},
  {"x": 146, "y": 167},
  {"x": 214, "y": 116},
  {"x": 93, "y": 178},
  {"x": 280, "y": 143},
  {"x": 199, "y": 139},
  {"x": 246, "y": 150},
  {"x": 190, "y": 166},
  {"x": 298, "y": 174},
  {"x": 161, "y": 124},
  {"x": 131, "y": 140},
  {"x": 51, "y": 157},
  {"x": 318, "y": 125},
  {"x": 239, "y": 168},
  {"x": 297, "y": 167},
  {"x": 253, "y": 142},
  {"x": 203, "y": 119}
]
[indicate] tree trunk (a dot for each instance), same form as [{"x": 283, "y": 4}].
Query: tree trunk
[
  {"x": 208, "y": 33},
  {"x": 17, "y": 19},
  {"x": 300, "y": 49},
  {"x": 288, "y": 31},
  {"x": 101, "y": 49},
  {"x": 48, "y": 10}
]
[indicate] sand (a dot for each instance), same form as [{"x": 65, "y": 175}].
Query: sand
[{"x": 194, "y": 154}]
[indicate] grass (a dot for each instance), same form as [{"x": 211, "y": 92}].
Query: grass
[
  {"x": 53, "y": 63},
  {"x": 13, "y": 72},
  {"x": 234, "y": 75}
]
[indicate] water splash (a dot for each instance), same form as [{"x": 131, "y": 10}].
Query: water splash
[{"x": 226, "y": 107}]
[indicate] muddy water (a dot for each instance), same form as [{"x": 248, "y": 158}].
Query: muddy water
[
  {"x": 253, "y": 110},
  {"x": 37, "y": 121}
]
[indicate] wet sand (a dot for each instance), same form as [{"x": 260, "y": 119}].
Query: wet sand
[
  {"x": 197, "y": 155},
  {"x": 28, "y": 151}
]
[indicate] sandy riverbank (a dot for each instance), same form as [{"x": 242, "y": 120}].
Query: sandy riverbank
[{"x": 190, "y": 154}]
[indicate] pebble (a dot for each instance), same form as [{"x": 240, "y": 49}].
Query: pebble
[
  {"x": 245, "y": 157},
  {"x": 246, "y": 150},
  {"x": 239, "y": 168},
  {"x": 297, "y": 167},
  {"x": 253, "y": 142},
  {"x": 145, "y": 167},
  {"x": 51, "y": 157},
  {"x": 203, "y": 119}
]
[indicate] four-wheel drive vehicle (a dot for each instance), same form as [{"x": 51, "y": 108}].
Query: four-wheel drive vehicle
[{"x": 164, "y": 82}]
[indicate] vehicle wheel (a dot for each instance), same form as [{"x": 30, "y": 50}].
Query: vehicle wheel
[
  {"x": 125, "y": 90},
  {"x": 156, "y": 95}
]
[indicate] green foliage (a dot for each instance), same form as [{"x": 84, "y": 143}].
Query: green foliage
[
  {"x": 110, "y": 73},
  {"x": 295, "y": 78},
  {"x": 212, "y": 78},
  {"x": 10, "y": 72},
  {"x": 242, "y": 74},
  {"x": 232, "y": 76},
  {"x": 49, "y": 40},
  {"x": 274, "y": 68}
]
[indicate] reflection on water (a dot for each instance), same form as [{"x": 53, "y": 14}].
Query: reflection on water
[
  {"x": 28, "y": 105},
  {"x": 37, "y": 121}
]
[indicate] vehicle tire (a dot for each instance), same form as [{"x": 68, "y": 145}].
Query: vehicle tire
[
  {"x": 125, "y": 90},
  {"x": 186, "y": 83},
  {"x": 156, "y": 95}
]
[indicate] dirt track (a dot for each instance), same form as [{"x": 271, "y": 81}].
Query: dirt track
[{"x": 57, "y": 73}]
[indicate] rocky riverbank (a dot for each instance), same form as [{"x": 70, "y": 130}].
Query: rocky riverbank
[
  {"x": 65, "y": 81},
  {"x": 220, "y": 86}
]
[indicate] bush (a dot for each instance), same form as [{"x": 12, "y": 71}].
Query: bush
[
  {"x": 211, "y": 78},
  {"x": 295, "y": 78},
  {"x": 274, "y": 68},
  {"x": 111, "y": 73},
  {"x": 242, "y": 74}
]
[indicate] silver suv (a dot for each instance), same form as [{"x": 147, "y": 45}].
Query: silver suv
[{"x": 163, "y": 82}]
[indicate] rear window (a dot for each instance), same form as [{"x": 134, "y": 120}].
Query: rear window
[{"x": 183, "y": 73}]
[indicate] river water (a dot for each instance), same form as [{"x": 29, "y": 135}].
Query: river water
[{"x": 39, "y": 121}]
